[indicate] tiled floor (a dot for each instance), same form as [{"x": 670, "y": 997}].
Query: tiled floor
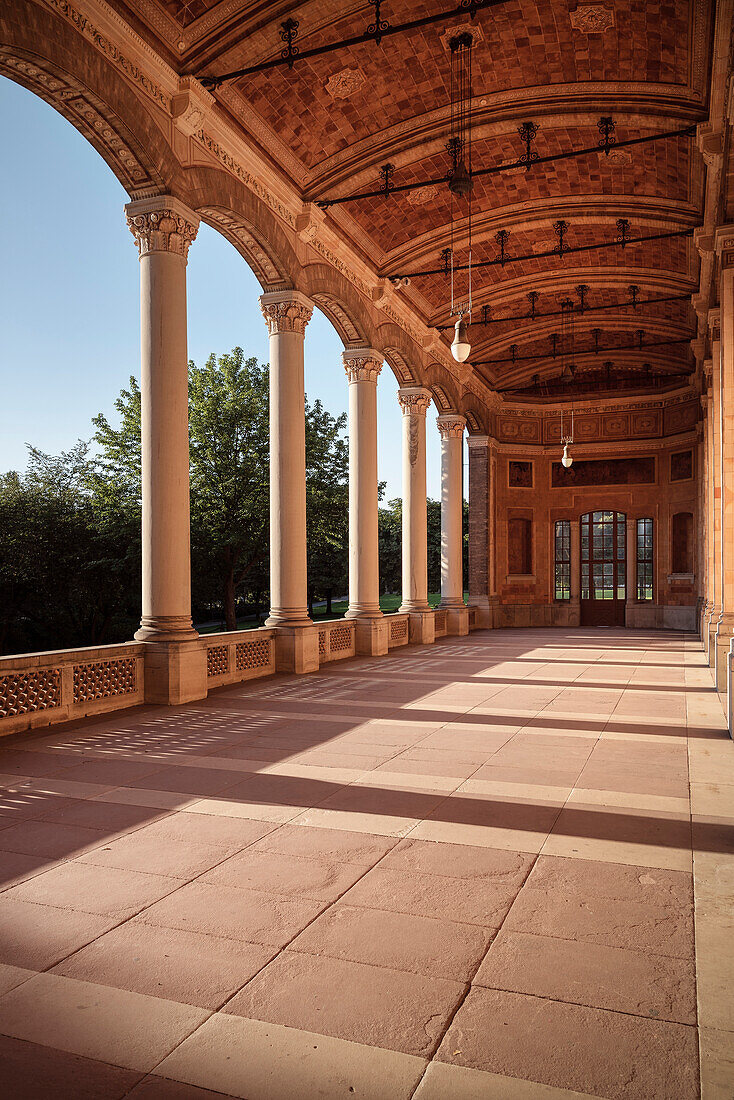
[{"x": 498, "y": 867}]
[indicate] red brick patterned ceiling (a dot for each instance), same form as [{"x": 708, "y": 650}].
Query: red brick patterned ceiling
[{"x": 334, "y": 120}]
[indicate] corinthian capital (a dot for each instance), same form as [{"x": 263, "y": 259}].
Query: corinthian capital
[
  {"x": 450, "y": 425},
  {"x": 414, "y": 400},
  {"x": 362, "y": 364},
  {"x": 286, "y": 311},
  {"x": 162, "y": 224}
]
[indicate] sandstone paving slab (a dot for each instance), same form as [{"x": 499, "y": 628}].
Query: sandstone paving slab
[
  {"x": 717, "y": 1063},
  {"x": 256, "y": 1060},
  {"x": 617, "y": 835},
  {"x": 96, "y": 1021},
  {"x": 107, "y": 891},
  {"x": 234, "y": 913},
  {"x": 398, "y": 941},
  {"x": 184, "y": 859},
  {"x": 11, "y": 976},
  {"x": 619, "y": 979},
  {"x": 31, "y": 1071},
  {"x": 350, "y": 1000},
  {"x": 176, "y": 965},
  {"x": 494, "y": 868},
  {"x": 479, "y": 901},
  {"x": 441, "y": 1081},
  {"x": 226, "y": 833},
  {"x": 37, "y": 936},
  {"x": 285, "y": 874},
  {"x": 608, "y": 1054},
  {"x": 49, "y": 839},
  {"x": 357, "y": 848},
  {"x": 607, "y": 903}
]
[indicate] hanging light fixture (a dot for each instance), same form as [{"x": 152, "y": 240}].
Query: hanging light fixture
[
  {"x": 566, "y": 353},
  {"x": 460, "y": 178}
]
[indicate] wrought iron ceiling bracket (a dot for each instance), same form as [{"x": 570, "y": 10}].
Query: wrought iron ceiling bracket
[
  {"x": 502, "y": 238},
  {"x": 528, "y": 133},
  {"x": 380, "y": 25},
  {"x": 623, "y": 228},
  {"x": 634, "y": 291},
  {"x": 560, "y": 229},
  {"x": 533, "y": 298},
  {"x": 289, "y": 34},
  {"x": 606, "y": 127},
  {"x": 387, "y": 172},
  {"x": 582, "y": 290}
]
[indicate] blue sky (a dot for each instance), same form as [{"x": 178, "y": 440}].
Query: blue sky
[{"x": 69, "y": 303}]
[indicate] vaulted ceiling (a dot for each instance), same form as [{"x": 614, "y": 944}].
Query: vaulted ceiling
[{"x": 330, "y": 123}]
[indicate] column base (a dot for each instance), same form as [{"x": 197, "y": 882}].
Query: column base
[
  {"x": 296, "y": 648},
  {"x": 722, "y": 643},
  {"x": 457, "y": 619},
  {"x": 711, "y": 647},
  {"x": 165, "y": 628},
  {"x": 175, "y": 672},
  {"x": 421, "y": 627},
  {"x": 371, "y": 636}
]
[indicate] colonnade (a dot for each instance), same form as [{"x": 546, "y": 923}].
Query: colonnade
[{"x": 164, "y": 229}]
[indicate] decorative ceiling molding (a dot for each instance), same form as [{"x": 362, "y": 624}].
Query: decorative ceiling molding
[{"x": 593, "y": 18}]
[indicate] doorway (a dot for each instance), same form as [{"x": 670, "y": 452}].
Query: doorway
[{"x": 603, "y": 568}]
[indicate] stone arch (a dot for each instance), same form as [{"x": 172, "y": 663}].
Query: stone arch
[
  {"x": 401, "y": 354},
  {"x": 54, "y": 61},
  {"x": 340, "y": 301},
  {"x": 247, "y": 222}
]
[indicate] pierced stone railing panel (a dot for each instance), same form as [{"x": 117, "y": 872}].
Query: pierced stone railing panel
[
  {"x": 440, "y": 626},
  {"x": 38, "y": 689},
  {"x": 399, "y": 633},
  {"x": 337, "y": 639},
  {"x": 238, "y": 655}
]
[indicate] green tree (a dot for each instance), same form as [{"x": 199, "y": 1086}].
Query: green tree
[{"x": 327, "y": 504}]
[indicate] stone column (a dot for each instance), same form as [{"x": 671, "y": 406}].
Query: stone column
[
  {"x": 286, "y": 314},
  {"x": 175, "y": 661},
  {"x": 363, "y": 366},
  {"x": 716, "y": 477},
  {"x": 631, "y": 572},
  {"x": 479, "y": 509},
  {"x": 575, "y": 604},
  {"x": 451, "y": 428},
  {"x": 414, "y": 402},
  {"x": 708, "y": 403}
]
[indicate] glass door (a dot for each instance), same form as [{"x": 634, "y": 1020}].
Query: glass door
[{"x": 603, "y": 568}]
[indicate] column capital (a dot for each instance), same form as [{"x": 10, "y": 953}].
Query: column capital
[
  {"x": 414, "y": 400},
  {"x": 478, "y": 441},
  {"x": 286, "y": 311},
  {"x": 450, "y": 424},
  {"x": 162, "y": 224},
  {"x": 362, "y": 364}
]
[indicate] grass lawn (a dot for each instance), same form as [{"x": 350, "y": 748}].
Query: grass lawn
[{"x": 338, "y": 607}]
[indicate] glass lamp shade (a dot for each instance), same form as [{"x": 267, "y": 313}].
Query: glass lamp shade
[
  {"x": 566, "y": 459},
  {"x": 460, "y": 346}
]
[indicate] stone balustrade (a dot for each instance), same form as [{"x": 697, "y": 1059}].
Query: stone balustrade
[
  {"x": 238, "y": 655},
  {"x": 337, "y": 639},
  {"x": 38, "y": 689}
]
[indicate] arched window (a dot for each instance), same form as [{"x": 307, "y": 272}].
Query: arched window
[
  {"x": 681, "y": 556},
  {"x": 562, "y": 558},
  {"x": 520, "y": 546},
  {"x": 644, "y": 559}
]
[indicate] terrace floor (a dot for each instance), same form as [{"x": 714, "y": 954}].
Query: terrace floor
[{"x": 463, "y": 871}]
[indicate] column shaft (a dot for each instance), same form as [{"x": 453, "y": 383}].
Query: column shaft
[
  {"x": 575, "y": 608},
  {"x": 286, "y": 314},
  {"x": 451, "y": 429},
  {"x": 164, "y": 228},
  {"x": 479, "y": 514},
  {"x": 414, "y": 402},
  {"x": 363, "y": 366}
]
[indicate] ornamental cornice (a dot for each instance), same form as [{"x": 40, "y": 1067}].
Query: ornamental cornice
[
  {"x": 286, "y": 311},
  {"x": 162, "y": 224},
  {"x": 714, "y": 323},
  {"x": 414, "y": 401},
  {"x": 476, "y": 441},
  {"x": 724, "y": 245},
  {"x": 362, "y": 364},
  {"x": 450, "y": 426},
  {"x": 110, "y": 50}
]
